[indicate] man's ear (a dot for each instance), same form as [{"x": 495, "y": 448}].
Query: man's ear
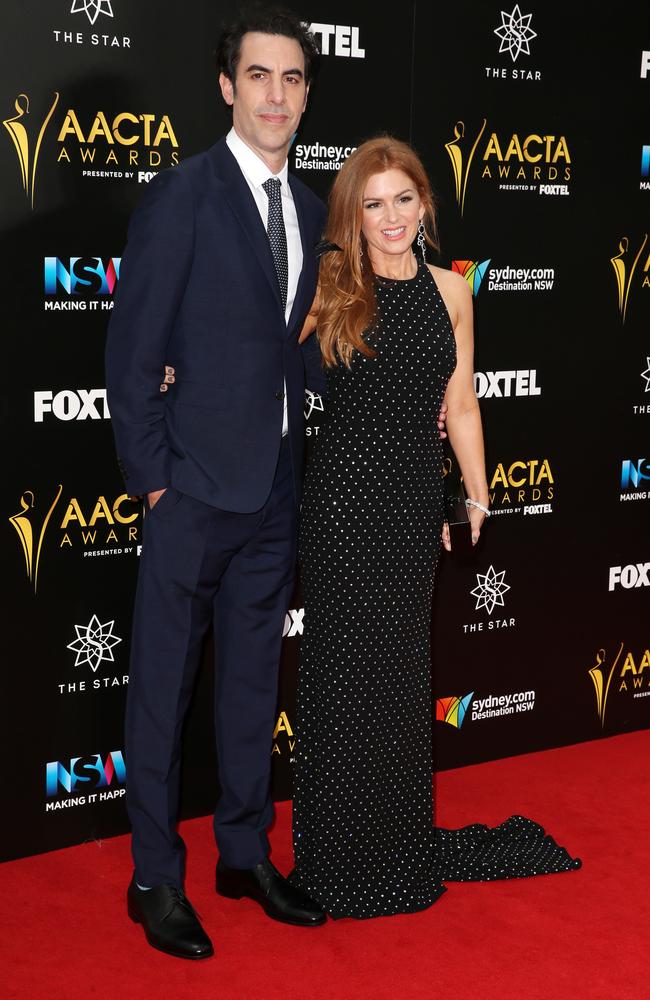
[{"x": 227, "y": 89}]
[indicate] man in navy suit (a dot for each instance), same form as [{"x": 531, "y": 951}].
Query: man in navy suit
[{"x": 218, "y": 274}]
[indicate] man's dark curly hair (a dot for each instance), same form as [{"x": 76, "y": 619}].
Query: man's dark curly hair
[{"x": 269, "y": 21}]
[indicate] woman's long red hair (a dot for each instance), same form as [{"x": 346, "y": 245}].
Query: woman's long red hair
[{"x": 346, "y": 295}]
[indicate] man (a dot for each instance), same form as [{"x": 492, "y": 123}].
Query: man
[{"x": 217, "y": 277}]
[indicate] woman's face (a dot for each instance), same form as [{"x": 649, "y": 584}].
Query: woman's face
[{"x": 392, "y": 210}]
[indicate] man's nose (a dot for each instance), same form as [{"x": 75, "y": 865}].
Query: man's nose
[{"x": 276, "y": 93}]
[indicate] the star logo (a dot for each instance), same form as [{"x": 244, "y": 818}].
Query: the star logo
[
  {"x": 646, "y": 375},
  {"x": 93, "y": 8},
  {"x": 94, "y": 643},
  {"x": 515, "y": 32},
  {"x": 490, "y": 590},
  {"x": 313, "y": 402}
]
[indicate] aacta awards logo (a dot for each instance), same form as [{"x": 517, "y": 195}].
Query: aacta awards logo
[
  {"x": 628, "y": 276},
  {"x": 27, "y": 137},
  {"x": 98, "y": 528},
  {"x": 103, "y": 145},
  {"x": 532, "y": 162},
  {"x": 284, "y": 740},
  {"x": 525, "y": 486},
  {"x": 632, "y": 680}
]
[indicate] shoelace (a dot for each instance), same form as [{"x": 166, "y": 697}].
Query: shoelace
[{"x": 179, "y": 897}]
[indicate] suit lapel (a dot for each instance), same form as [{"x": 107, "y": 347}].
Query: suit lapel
[{"x": 238, "y": 195}]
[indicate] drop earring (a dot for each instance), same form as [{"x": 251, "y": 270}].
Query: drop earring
[{"x": 422, "y": 242}]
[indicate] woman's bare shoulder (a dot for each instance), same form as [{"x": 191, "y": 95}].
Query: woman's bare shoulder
[{"x": 455, "y": 291}]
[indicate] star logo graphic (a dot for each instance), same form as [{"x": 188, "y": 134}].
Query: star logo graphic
[
  {"x": 490, "y": 590},
  {"x": 313, "y": 402},
  {"x": 93, "y": 8},
  {"x": 646, "y": 375},
  {"x": 515, "y": 32},
  {"x": 94, "y": 643}
]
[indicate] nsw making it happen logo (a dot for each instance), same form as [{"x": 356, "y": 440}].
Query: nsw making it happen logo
[
  {"x": 80, "y": 776},
  {"x": 635, "y": 476}
]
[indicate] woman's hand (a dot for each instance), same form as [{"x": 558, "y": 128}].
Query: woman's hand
[
  {"x": 476, "y": 519},
  {"x": 169, "y": 378},
  {"x": 442, "y": 418},
  {"x": 311, "y": 319}
]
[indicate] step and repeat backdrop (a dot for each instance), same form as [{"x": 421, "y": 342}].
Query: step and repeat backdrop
[{"x": 533, "y": 124}]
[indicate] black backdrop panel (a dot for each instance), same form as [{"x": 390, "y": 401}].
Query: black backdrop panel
[{"x": 533, "y": 128}]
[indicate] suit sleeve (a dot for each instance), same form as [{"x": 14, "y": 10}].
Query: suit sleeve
[
  {"x": 153, "y": 277},
  {"x": 315, "y": 380}
]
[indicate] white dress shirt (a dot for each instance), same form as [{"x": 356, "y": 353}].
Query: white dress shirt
[{"x": 256, "y": 172}]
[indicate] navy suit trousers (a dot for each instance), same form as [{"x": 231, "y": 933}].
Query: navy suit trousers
[{"x": 202, "y": 565}]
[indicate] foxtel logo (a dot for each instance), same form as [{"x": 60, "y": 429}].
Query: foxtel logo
[
  {"x": 508, "y": 383},
  {"x": 71, "y": 404},
  {"x": 629, "y": 577}
]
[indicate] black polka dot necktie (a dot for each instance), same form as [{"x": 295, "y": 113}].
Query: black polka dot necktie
[{"x": 277, "y": 234}]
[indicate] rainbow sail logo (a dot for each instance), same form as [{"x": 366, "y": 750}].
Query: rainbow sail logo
[
  {"x": 472, "y": 272},
  {"x": 452, "y": 710}
]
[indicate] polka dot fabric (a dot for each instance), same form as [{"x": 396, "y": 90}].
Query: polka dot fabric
[
  {"x": 277, "y": 234},
  {"x": 364, "y": 838}
]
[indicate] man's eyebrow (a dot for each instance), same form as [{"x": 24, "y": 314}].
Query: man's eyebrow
[{"x": 255, "y": 68}]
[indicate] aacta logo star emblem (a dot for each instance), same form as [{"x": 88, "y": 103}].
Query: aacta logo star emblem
[
  {"x": 93, "y": 8},
  {"x": 94, "y": 643},
  {"x": 490, "y": 590},
  {"x": 515, "y": 32}
]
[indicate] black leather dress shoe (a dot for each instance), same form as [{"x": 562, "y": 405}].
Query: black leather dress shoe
[
  {"x": 169, "y": 921},
  {"x": 277, "y": 897}
]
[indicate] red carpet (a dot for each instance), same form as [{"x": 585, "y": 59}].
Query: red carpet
[{"x": 581, "y": 935}]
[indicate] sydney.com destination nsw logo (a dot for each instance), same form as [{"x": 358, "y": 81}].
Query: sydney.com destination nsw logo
[{"x": 456, "y": 709}]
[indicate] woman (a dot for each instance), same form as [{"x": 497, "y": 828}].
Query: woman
[{"x": 396, "y": 339}]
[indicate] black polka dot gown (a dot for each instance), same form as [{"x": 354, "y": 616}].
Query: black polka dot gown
[{"x": 371, "y": 520}]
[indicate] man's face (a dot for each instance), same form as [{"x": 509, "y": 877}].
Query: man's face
[{"x": 270, "y": 93}]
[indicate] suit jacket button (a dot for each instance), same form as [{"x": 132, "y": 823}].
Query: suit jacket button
[{"x": 279, "y": 395}]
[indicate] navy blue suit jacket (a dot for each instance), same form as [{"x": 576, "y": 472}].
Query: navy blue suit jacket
[{"x": 198, "y": 290}]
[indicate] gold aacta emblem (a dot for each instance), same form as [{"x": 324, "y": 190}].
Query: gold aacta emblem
[{"x": 17, "y": 129}]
